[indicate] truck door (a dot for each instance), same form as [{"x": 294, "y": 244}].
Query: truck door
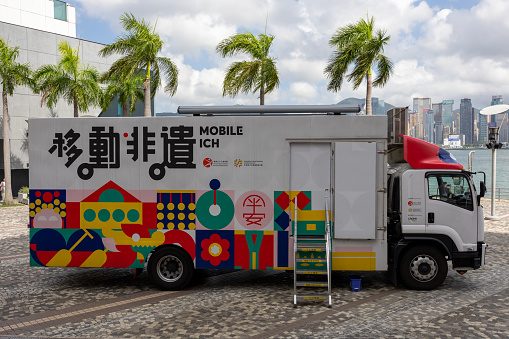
[
  {"x": 355, "y": 190},
  {"x": 310, "y": 176},
  {"x": 451, "y": 209}
]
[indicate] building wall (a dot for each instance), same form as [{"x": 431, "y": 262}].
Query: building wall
[
  {"x": 38, "y": 14},
  {"x": 39, "y": 48}
]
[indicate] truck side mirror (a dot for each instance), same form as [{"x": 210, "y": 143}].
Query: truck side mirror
[{"x": 482, "y": 189}]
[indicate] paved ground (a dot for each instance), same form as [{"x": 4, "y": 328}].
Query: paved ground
[{"x": 108, "y": 303}]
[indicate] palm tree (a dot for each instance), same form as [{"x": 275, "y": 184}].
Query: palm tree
[
  {"x": 359, "y": 44},
  {"x": 258, "y": 74},
  {"x": 69, "y": 79},
  {"x": 12, "y": 74},
  {"x": 129, "y": 92},
  {"x": 139, "y": 47}
]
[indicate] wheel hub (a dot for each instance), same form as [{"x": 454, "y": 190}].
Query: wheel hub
[
  {"x": 169, "y": 268},
  {"x": 423, "y": 268}
]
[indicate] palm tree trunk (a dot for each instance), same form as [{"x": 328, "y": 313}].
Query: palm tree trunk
[
  {"x": 124, "y": 109},
  {"x": 262, "y": 95},
  {"x": 146, "y": 88},
  {"x": 368, "y": 94},
  {"x": 7, "y": 152},
  {"x": 75, "y": 102}
]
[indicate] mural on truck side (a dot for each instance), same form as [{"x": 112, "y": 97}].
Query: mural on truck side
[{"x": 113, "y": 227}]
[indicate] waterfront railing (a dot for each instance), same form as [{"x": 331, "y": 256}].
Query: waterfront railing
[{"x": 500, "y": 193}]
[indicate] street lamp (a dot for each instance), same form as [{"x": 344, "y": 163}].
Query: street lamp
[{"x": 493, "y": 144}]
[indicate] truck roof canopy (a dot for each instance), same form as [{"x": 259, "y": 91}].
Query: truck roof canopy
[{"x": 422, "y": 155}]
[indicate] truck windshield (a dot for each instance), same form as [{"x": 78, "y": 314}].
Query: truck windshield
[{"x": 452, "y": 189}]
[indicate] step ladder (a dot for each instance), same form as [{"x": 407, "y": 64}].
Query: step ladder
[{"x": 317, "y": 250}]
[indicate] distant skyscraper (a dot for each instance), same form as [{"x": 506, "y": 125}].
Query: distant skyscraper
[
  {"x": 467, "y": 121},
  {"x": 374, "y": 106},
  {"x": 483, "y": 128},
  {"x": 437, "y": 110},
  {"x": 412, "y": 123},
  {"x": 500, "y": 119},
  {"x": 419, "y": 106},
  {"x": 430, "y": 126},
  {"x": 496, "y": 100},
  {"x": 447, "y": 113}
]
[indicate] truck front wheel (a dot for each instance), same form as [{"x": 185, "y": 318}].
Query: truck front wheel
[
  {"x": 170, "y": 268},
  {"x": 423, "y": 268}
]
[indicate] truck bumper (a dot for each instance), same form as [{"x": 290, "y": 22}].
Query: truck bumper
[{"x": 470, "y": 260}]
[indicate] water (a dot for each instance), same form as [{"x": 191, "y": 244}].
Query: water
[{"x": 482, "y": 162}]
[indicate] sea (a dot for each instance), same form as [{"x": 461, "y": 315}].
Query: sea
[{"x": 481, "y": 162}]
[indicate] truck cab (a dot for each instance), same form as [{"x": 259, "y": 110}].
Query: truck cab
[{"x": 434, "y": 216}]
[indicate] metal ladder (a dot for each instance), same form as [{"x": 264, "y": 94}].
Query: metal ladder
[{"x": 317, "y": 250}]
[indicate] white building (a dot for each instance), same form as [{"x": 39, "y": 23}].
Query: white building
[
  {"x": 52, "y": 16},
  {"x": 455, "y": 141}
]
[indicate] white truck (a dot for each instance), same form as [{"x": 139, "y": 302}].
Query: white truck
[{"x": 221, "y": 187}]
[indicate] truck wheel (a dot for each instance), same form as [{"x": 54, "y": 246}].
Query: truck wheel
[
  {"x": 423, "y": 268},
  {"x": 170, "y": 268}
]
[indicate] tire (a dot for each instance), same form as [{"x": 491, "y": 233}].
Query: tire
[
  {"x": 170, "y": 268},
  {"x": 423, "y": 268}
]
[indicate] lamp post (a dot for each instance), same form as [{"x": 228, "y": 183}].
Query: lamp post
[{"x": 493, "y": 144}]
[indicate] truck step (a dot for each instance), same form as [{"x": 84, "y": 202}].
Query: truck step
[
  {"x": 311, "y": 260},
  {"x": 311, "y": 283},
  {"x": 318, "y": 238},
  {"x": 311, "y": 247},
  {"x": 312, "y": 296},
  {"x": 324, "y": 272}
]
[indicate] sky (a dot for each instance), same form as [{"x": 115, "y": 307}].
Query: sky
[{"x": 442, "y": 49}]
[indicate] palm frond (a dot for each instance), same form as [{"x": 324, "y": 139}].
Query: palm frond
[
  {"x": 358, "y": 45},
  {"x": 241, "y": 77}
]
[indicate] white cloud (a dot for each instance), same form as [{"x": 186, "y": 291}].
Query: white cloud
[{"x": 303, "y": 91}]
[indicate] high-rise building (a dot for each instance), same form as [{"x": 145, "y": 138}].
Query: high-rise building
[
  {"x": 381, "y": 107},
  {"x": 467, "y": 121},
  {"x": 419, "y": 106},
  {"x": 500, "y": 119},
  {"x": 374, "y": 106},
  {"x": 447, "y": 113},
  {"x": 437, "y": 110},
  {"x": 483, "y": 128},
  {"x": 430, "y": 126},
  {"x": 412, "y": 123}
]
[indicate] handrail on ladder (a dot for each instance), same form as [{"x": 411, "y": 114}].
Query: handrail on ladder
[
  {"x": 328, "y": 246},
  {"x": 294, "y": 253}
]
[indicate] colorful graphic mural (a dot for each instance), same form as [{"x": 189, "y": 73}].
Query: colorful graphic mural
[{"x": 114, "y": 227}]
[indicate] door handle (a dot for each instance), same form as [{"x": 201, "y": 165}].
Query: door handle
[{"x": 431, "y": 218}]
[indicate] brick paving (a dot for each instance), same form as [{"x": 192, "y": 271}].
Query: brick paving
[{"x": 109, "y": 303}]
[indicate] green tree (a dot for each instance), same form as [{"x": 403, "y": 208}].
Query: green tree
[
  {"x": 69, "y": 79},
  {"x": 129, "y": 92},
  {"x": 361, "y": 46},
  {"x": 139, "y": 47},
  {"x": 258, "y": 74},
  {"x": 12, "y": 74}
]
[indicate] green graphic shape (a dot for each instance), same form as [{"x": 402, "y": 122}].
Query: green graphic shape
[{"x": 215, "y": 222}]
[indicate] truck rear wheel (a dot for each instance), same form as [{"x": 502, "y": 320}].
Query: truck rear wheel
[
  {"x": 423, "y": 268},
  {"x": 170, "y": 268}
]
